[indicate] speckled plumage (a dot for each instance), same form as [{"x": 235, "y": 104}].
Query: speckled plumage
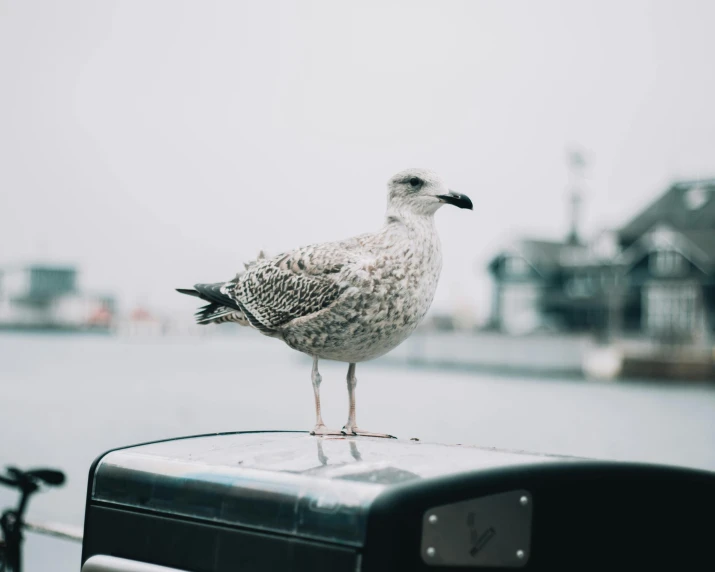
[{"x": 351, "y": 300}]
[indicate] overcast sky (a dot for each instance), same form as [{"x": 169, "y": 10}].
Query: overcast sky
[{"x": 159, "y": 143}]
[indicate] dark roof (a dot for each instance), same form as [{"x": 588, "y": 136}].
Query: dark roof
[
  {"x": 698, "y": 246},
  {"x": 542, "y": 254},
  {"x": 704, "y": 242},
  {"x": 685, "y": 206},
  {"x": 545, "y": 256}
]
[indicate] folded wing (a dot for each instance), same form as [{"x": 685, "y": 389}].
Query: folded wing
[{"x": 273, "y": 292}]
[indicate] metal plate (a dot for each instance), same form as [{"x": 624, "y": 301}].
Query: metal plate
[{"x": 493, "y": 531}]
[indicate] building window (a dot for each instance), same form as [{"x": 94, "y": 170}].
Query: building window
[
  {"x": 696, "y": 197},
  {"x": 666, "y": 263},
  {"x": 581, "y": 285},
  {"x": 671, "y": 310},
  {"x": 516, "y": 266}
]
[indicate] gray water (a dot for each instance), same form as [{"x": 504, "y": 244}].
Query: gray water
[{"x": 65, "y": 399}]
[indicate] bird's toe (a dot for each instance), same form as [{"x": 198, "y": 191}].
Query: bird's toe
[
  {"x": 321, "y": 429},
  {"x": 354, "y": 430}
]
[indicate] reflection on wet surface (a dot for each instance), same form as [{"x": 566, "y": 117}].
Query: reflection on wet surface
[{"x": 315, "y": 487}]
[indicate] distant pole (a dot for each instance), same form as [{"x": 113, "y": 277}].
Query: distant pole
[{"x": 576, "y": 167}]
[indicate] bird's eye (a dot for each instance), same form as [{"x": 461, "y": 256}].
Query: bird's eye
[{"x": 415, "y": 182}]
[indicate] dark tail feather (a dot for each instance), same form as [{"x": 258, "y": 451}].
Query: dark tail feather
[
  {"x": 212, "y": 293},
  {"x": 220, "y": 308},
  {"x": 188, "y": 292},
  {"x": 211, "y": 312}
]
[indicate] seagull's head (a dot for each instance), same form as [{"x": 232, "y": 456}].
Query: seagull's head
[{"x": 422, "y": 192}]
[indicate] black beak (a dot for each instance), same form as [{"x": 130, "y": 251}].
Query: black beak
[{"x": 461, "y": 201}]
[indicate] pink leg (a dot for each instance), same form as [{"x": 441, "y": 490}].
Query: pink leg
[
  {"x": 351, "y": 427},
  {"x": 320, "y": 428}
]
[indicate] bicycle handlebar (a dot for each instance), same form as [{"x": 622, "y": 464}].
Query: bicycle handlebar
[{"x": 30, "y": 480}]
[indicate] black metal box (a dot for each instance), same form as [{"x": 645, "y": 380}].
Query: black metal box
[{"x": 273, "y": 501}]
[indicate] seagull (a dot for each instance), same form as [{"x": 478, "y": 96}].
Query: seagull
[{"x": 352, "y": 300}]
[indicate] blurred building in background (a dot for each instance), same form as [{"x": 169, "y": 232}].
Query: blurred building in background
[
  {"x": 47, "y": 297},
  {"x": 653, "y": 278}
]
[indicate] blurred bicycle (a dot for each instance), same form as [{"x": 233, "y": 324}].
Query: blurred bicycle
[{"x": 12, "y": 520}]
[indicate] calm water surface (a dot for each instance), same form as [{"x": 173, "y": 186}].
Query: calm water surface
[{"x": 66, "y": 399}]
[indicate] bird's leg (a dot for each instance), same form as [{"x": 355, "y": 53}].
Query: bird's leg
[
  {"x": 320, "y": 428},
  {"x": 351, "y": 427}
]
